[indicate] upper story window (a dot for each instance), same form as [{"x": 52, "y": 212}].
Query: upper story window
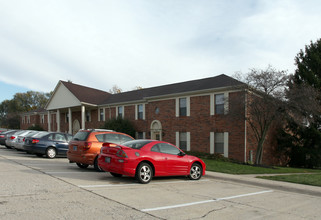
[
  {"x": 219, "y": 104},
  {"x": 140, "y": 111},
  {"x": 183, "y": 106}
]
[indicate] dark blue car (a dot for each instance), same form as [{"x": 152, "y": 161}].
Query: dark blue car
[{"x": 50, "y": 144}]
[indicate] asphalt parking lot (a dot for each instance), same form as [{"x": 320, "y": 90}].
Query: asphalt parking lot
[{"x": 41, "y": 188}]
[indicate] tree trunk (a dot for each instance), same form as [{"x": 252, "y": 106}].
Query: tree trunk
[{"x": 259, "y": 150}]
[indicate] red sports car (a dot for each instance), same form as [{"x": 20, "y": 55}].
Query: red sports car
[{"x": 144, "y": 159}]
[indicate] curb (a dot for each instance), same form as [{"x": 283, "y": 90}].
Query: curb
[{"x": 272, "y": 184}]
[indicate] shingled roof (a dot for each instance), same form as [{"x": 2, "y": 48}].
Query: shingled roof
[
  {"x": 98, "y": 97},
  {"x": 86, "y": 94},
  {"x": 220, "y": 81}
]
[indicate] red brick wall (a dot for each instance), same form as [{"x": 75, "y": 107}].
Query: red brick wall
[{"x": 200, "y": 123}]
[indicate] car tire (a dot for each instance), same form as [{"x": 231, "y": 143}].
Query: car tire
[
  {"x": 96, "y": 166},
  {"x": 195, "y": 172},
  {"x": 82, "y": 165},
  {"x": 51, "y": 152},
  {"x": 144, "y": 173},
  {"x": 116, "y": 174}
]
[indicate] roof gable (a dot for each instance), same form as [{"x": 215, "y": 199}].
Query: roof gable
[
  {"x": 86, "y": 94},
  {"x": 62, "y": 98}
]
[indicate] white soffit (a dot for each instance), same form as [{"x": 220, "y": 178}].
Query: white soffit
[{"x": 62, "y": 98}]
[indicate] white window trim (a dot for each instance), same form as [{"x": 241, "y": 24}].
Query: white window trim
[
  {"x": 211, "y": 142},
  {"x": 188, "y": 106},
  {"x": 226, "y": 144}
]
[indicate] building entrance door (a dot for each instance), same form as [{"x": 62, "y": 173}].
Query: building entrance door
[{"x": 156, "y": 130}]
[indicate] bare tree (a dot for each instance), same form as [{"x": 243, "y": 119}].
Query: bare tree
[
  {"x": 264, "y": 102},
  {"x": 115, "y": 89}
]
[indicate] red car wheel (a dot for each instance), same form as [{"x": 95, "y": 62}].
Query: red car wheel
[{"x": 144, "y": 173}]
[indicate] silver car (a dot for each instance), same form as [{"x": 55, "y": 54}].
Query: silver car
[
  {"x": 10, "y": 138},
  {"x": 20, "y": 140}
]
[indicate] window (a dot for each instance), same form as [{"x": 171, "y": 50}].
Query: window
[
  {"x": 182, "y": 107},
  {"x": 120, "y": 111},
  {"x": 183, "y": 141},
  {"x": 42, "y": 119},
  {"x": 168, "y": 149},
  {"x": 111, "y": 137},
  {"x": 219, "y": 104},
  {"x": 88, "y": 116},
  {"x": 219, "y": 143},
  {"x": 140, "y": 135},
  {"x": 60, "y": 137},
  {"x": 155, "y": 148},
  {"x": 140, "y": 111},
  {"x": 101, "y": 114},
  {"x": 67, "y": 117},
  {"x": 28, "y": 119}
]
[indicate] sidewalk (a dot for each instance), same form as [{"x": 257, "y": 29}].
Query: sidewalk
[{"x": 277, "y": 185}]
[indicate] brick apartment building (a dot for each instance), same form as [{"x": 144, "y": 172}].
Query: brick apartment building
[{"x": 194, "y": 115}]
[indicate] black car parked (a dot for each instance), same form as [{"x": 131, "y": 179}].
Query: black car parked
[{"x": 50, "y": 144}]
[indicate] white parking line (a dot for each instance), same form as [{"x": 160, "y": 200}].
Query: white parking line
[
  {"x": 64, "y": 172},
  {"x": 205, "y": 201},
  {"x": 139, "y": 184}
]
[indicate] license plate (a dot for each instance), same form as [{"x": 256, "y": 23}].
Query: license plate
[
  {"x": 75, "y": 148},
  {"x": 107, "y": 159}
]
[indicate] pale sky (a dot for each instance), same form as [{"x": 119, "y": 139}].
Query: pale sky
[{"x": 129, "y": 43}]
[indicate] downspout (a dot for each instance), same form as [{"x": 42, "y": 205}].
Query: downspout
[{"x": 245, "y": 129}]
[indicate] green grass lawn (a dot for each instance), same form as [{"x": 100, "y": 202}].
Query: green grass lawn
[
  {"x": 307, "y": 179},
  {"x": 235, "y": 168}
]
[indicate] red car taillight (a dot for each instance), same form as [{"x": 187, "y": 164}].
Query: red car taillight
[
  {"x": 34, "y": 141},
  {"x": 87, "y": 145},
  {"x": 12, "y": 137},
  {"x": 1, "y": 136},
  {"x": 23, "y": 139},
  {"x": 121, "y": 153}
]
